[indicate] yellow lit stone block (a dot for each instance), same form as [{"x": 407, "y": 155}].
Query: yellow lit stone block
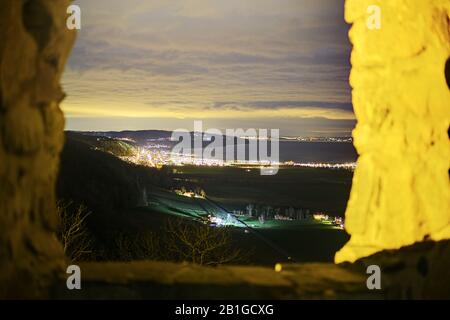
[{"x": 401, "y": 189}]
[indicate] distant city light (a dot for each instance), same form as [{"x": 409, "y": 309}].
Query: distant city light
[{"x": 158, "y": 155}]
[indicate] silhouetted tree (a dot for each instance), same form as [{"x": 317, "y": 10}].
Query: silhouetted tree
[
  {"x": 72, "y": 231},
  {"x": 199, "y": 243}
]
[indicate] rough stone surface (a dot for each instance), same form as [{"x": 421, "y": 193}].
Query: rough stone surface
[
  {"x": 419, "y": 271},
  {"x": 163, "y": 280},
  {"x": 401, "y": 191},
  {"x": 34, "y": 47}
]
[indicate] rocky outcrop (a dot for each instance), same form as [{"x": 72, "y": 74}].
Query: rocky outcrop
[
  {"x": 33, "y": 50},
  {"x": 401, "y": 191}
]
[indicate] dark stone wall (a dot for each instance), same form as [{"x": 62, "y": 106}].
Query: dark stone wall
[{"x": 34, "y": 47}]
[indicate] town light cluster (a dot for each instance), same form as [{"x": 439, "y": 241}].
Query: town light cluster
[{"x": 159, "y": 156}]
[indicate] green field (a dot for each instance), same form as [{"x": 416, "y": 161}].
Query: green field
[
  {"x": 272, "y": 241},
  {"x": 324, "y": 190}
]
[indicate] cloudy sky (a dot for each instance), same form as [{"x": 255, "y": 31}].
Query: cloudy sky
[{"x": 161, "y": 64}]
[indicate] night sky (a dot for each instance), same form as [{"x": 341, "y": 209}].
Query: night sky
[{"x": 161, "y": 64}]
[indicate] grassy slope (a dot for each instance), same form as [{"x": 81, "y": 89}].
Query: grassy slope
[{"x": 302, "y": 240}]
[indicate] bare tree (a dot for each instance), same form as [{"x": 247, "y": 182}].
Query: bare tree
[
  {"x": 199, "y": 243},
  {"x": 139, "y": 246},
  {"x": 72, "y": 232},
  {"x": 149, "y": 246},
  {"x": 123, "y": 246}
]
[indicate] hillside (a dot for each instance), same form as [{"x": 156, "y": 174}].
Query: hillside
[
  {"x": 108, "y": 186},
  {"x": 117, "y": 146}
]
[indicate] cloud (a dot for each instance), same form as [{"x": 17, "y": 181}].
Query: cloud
[
  {"x": 287, "y": 104},
  {"x": 210, "y": 58}
]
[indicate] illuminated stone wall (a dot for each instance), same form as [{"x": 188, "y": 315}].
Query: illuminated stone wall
[
  {"x": 401, "y": 191},
  {"x": 34, "y": 47}
]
